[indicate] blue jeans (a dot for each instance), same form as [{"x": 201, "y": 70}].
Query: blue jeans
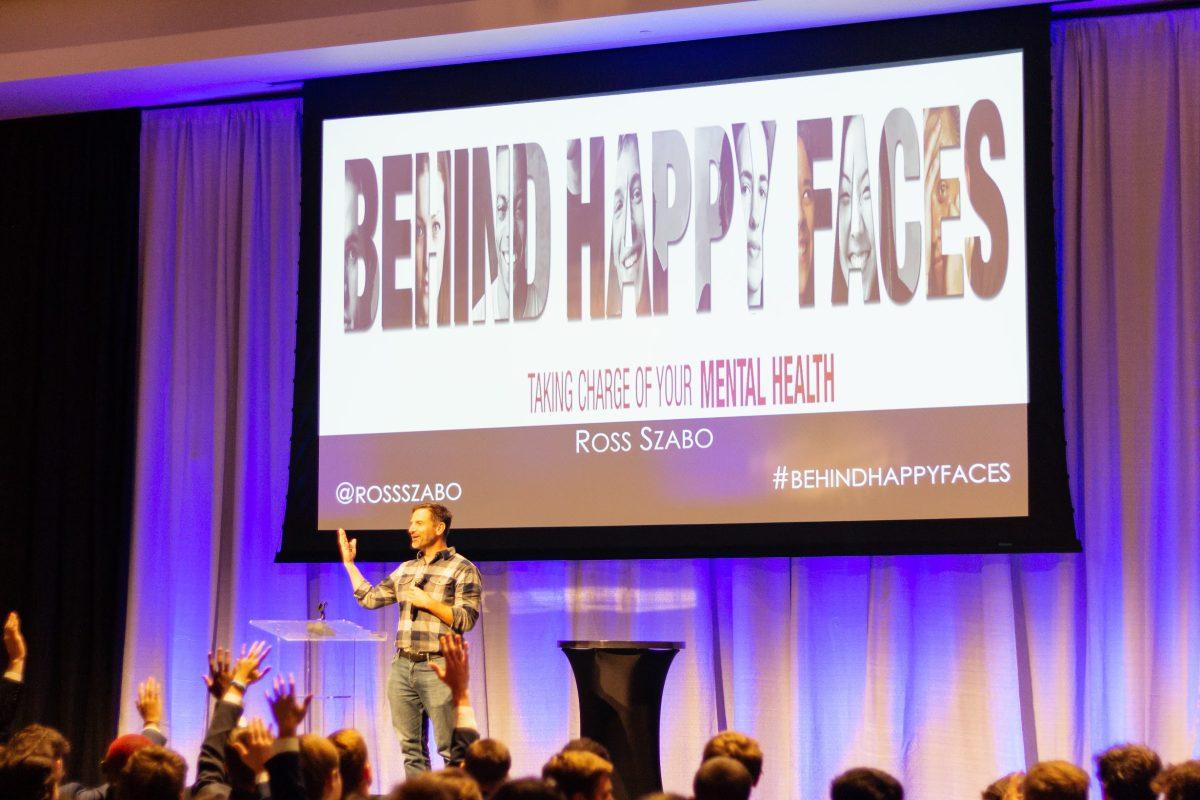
[{"x": 416, "y": 694}]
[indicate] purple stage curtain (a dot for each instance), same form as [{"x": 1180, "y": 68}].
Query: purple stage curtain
[{"x": 947, "y": 670}]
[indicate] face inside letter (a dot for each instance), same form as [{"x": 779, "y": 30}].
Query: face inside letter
[{"x": 754, "y": 145}]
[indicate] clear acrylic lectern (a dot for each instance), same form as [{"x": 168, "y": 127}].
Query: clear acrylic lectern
[{"x": 314, "y": 634}]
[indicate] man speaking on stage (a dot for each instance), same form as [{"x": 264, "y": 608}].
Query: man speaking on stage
[{"x": 439, "y": 592}]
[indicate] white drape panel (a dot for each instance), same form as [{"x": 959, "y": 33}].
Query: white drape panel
[
  {"x": 1128, "y": 129},
  {"x": 947, "y": 670}
]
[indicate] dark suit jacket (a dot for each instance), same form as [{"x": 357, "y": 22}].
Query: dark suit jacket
[
  {"x": 460, "y": 740},
  {"x": 212, "y": 778},
  {"x": 287, "y": 781},
  {"x": 10, "y": 701}
]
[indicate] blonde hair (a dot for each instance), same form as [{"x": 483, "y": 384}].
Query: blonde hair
[
  {"x": 318, "y": 762},
  {"x": 739, "y": 747}
]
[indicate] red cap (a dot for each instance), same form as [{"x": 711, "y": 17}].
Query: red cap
[{"x": 122, "y": 748}]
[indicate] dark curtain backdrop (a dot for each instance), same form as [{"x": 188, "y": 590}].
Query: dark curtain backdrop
[{"x": 68, "y": 339}]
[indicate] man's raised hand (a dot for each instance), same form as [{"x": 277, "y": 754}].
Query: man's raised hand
[
  {"x": 220, "y": 672},
  {"x": 248, "y": 670},
  {"x": 14, "y": 642},
  {"x": 288, "y": 711},
  {"x": 347, "y": 546},
  {"x": 150, "y": 702},
  {"x": 254, "y": 746},
  {"x": 457, "y": 672}
]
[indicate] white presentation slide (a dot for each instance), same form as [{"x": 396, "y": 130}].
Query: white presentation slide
[{"x": 797, "y": 298}]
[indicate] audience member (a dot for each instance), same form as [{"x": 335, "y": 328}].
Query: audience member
[
  {"x": 459, "y": 782},
  {"x": 528, "y": 789},
  {"x": 488, "y": 762},
  {"x": 865, "y": 783},
  {"x": 1179, "y": 781},
  {"x": 13, "y": 683},
  {"x": 42, "y": 741},
  {"x": 587, "y": 745},
  {"x": 27, "y": 776},
  {"x": 150, "y": 708},
  {"x": 302, "y": 767},
  {"x": 455, "y": 672},
  {"x": 1126, "y": 771},
  {"x": 739, "y": 747},
  {"x": 722, "y": 778},
  {"x": 226, "y": 767},
  {"x": 353, "y": 763},
  {"x": 1055, "y": 780},
  {"x": 580, "y": 775},
  {"x": 253, "y": 747},
  {"x": 152, "y": 773},
  {"x": 1006, "y": 788},
  {"x": 662, "y": 796}
]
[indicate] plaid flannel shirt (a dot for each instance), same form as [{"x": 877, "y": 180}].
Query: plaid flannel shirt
[{"x": 448, "y": 578}]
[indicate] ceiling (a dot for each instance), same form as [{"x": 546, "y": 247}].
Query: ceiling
[{"x": 59, "y": 56}]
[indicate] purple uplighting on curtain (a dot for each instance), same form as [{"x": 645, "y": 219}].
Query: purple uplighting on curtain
[
  {"x": 1128, "y": 160},
  {"x": 948, "y": 671}
]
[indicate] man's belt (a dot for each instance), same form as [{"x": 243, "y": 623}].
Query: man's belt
[{"x": 416, "y": 658}]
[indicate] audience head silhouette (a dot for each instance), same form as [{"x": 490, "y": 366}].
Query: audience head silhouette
[
  {"x": 739, "y": 747},
  {"x": 722, "y": 778},
  {"x": 1126, "y": 772},
  {"x": 1056, "y": 780},
  {"x": 865, "y": 783}
]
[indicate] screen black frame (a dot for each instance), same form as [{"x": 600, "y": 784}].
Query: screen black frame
[{"x": 1050, "y": 526}]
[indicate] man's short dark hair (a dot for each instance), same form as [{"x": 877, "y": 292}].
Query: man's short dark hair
[
  {"x": 722, "y": 778},
  {"x": 865, "y": 783},
  {"x": 1126, "y": 771},
  {"x": 576, "y": 772},
  {"x": 439, "y": 513},
  {"x": 528, "y": 789},
  {"x": 1179, "y": 781},
  {"x": 488, "y": 762},
  {"x": 739, "y": 747},
  {"x": 587, "y": 745},
  {"x": 152, "y": 773},
  {"x": 1056, "y": 780},
  {"x": 26, "y": 776},
  {"x": 1003, "y": 787},
  {"x": 352, "y": 758}
]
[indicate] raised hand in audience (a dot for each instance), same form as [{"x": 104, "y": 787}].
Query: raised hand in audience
[
  {"x": 13, "y": 684},
  {"x": 456, "y": 674},
  {"x": 150, "y": 703},
  {"x": 289, "y": 712},
  {"x": 228, "y": 681},
  {"x": 14, "y": 644},
  {"x": 457, "y": 671},
  {"x": 220, "y": 672},
  {"x": 249, "y": 669},
  {"x": 254, "y": 746}
]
